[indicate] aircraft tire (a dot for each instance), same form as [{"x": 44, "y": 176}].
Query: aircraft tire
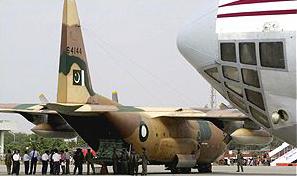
[
  {"x": 185, "y": 170},
  {"x": 205, "y": 168}
]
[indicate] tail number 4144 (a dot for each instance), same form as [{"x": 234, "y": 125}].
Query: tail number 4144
[{"x": 73, "y": 50}]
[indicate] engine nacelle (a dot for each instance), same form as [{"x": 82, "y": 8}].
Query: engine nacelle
[
  {"x": 47, "y": 131},
  {"x": 245, "y": 136}
]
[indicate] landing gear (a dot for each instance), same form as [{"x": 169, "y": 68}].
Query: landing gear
[
  {"x": 205, "y": 168},
  {"x": 175, "y": 170}
]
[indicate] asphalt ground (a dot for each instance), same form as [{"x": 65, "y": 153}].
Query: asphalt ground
[{"x": 217, "y": 171}]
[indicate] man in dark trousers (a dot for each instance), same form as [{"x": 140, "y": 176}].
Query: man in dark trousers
[
  {"x": 67, "y": 157},
  {"x": 144, "y": 163},
  {"x": 89, "y": 160},
  {"x": 56, "y": 162},
  {"x": 115, "y": 161},
  {"x": 16, "y": 158},
  {"x": 34, "y": 157},
  {"x": 135, "y": 162},
  {"x": 44, "y": 159},
  {"x": 239, "y": 161},
  {"x": 78, "y": 161},
  {"x": 8, "y": 161},
  {"x": 26, "y": 159},
  {"x": 51, "y": 162}
]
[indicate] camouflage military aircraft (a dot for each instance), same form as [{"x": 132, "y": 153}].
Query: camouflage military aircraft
[{"x": 180, "y": 138}]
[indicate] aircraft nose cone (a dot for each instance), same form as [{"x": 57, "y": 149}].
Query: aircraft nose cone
[{"x": 198, "y": 42}]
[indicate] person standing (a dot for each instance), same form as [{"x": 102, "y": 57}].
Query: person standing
[
  {"x": 135, "y": 159},
  {"x": 125, "y": 163},
  {"x": 16, "y": 158},
  {"x": 239, "y": 161},
  {"x": 26, "y": 159},
  {"x": 115, "y": 161},
  {"x": 89, "y": 160},
  {"x": 63, "y": 162},
  {"x": 78, "y": 161},
  {"x": 144, "y": 163},
  {"x": 67, "y": 157},
  {"x": 51, "y": 162},
  {"x": 34, "y": 157},
  {"x": 8, "y": 161},
  {"x": 44, "y": 160},
  {"x": 56, "y": 162}
]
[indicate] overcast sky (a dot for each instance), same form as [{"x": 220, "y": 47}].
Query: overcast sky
[{"x": 130, "y": 44}]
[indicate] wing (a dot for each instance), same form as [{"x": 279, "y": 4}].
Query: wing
[{"x": 48, "y": 122}]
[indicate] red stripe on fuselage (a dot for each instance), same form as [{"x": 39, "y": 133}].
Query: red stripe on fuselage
[
  {"x": 258, "y": 13},
  {"x": 250, "y": 2}
]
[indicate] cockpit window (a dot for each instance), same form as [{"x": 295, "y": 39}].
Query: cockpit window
[
  {"x": 260, "y": 117},
  {"x": 255, "y": 98},
  {"x": 247, "y": 53},
  {"x": 236, "y": 89},
  {"x": 237, "y": 101},
  {"x": 213, "y": 72},
  {"x": 272, "y": 55},
  {"x": 250, "y": 77},
  {"x": 231, "y": 73},
  {"x": 228, "y": 52}
]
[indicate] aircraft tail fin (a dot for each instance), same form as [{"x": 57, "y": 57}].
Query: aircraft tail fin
[{"x": 74, "y": 81}]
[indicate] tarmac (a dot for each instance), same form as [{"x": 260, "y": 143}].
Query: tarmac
[{"x": 217, "y": 170}]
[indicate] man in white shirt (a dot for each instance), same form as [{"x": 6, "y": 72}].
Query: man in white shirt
[
  {"x": 26, "y": 159},
  {"x": 56, "y": 160},
  {"x": 44, "y": 159},
  {"x": 34, "y": 157},
  {"x": 16, "y": 158}
]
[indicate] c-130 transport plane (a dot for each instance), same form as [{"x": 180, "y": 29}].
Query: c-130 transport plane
[
  {"x": 246, "y": 49},
  {"x": 178, "y": 138}
]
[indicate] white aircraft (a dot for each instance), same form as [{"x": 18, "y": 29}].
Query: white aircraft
[{"x": 246, "y": 49}]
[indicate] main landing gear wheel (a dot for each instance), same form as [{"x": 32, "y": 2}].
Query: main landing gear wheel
[
  {"x": 176, "y": 170},
  {"x": 205, "y": 168}
]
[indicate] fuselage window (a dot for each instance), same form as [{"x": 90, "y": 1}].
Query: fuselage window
[
  {"x": 236, "y": 89},
  {"x": 231, "y": 73},
  {"x": 237, "y": 101},
  {"x": 255, "y": 98},
  {"x": 247, "y": 53},
  {"x": 260, "y": 117},
  {"x": 272, "y": 55},
  {"x": 213, "y": 72},
  {"x": 228, "y": 52},
  {"x": 250, "y": 77}
]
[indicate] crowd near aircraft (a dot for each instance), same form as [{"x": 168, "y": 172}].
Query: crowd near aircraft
[
  {"x": 179, "y": 138},
  {"x": 246, "y": 49}
]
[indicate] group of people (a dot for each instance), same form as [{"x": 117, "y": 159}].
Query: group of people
[
  {"x": 125, "y": 162},
  {"x": 57, "y": 161},
  {"x": 260, "y": 160},
  {"x": 13, "y": 161}
]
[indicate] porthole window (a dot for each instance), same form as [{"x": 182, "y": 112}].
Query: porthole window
[
  {"x": 247, "y": 53},
  {"x": 213, "y": 73},
  {"x": 231, "y": 73},
  {"x": 228, "y": 52},
  {"x": 272, "y": 55},
  {"x": 235, "y": 88},
  {"x": 260, "y": 117},
  {"x": 255, "y": 98},
  {"x": 250, "y": 77},
  {"x": 237, "y": 101}
]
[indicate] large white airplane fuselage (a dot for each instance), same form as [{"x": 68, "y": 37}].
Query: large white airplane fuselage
[{"x": 246, "y": 49}]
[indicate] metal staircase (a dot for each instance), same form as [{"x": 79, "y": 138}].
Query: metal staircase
[{"x": 283, "y": 154}]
